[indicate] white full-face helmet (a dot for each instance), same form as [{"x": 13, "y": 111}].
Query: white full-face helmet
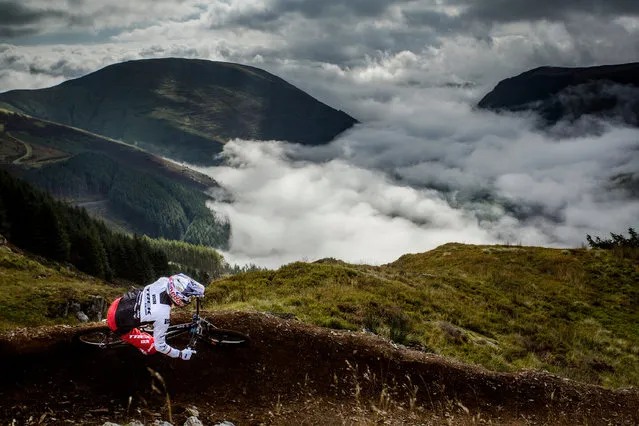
[{"x": 181, "y": 288}]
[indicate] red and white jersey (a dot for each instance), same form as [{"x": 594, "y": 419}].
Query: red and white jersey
[{"x": 154, "y": 306}]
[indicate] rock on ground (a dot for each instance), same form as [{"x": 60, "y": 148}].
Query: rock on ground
[{"x": 193, "y": 421}]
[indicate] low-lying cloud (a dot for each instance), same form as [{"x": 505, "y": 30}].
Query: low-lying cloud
[
  {"x": 430, "y": 170},
  {"x": 285, "y": 210}
]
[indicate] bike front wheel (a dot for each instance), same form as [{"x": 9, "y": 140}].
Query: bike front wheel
[{"x": 223, "y": 338}]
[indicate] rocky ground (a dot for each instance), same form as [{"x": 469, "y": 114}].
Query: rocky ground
[{"x": 291, "y": 374}]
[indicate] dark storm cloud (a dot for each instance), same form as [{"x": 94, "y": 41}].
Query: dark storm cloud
[
  {"x": 433, "y": 19},
  {"x": 338, "y": 44},
  {"x": 278, "y": 11},
  {"x": 14, "y": 14},
  {"x": 340, "y": 32},
  {"x": 32, "y": 17},
  {"x": 552, "y": 10},
  {"x": 12, "y": 32},
  {"x": 332, "y": 8},
  {"x": 17, "y": 20}
]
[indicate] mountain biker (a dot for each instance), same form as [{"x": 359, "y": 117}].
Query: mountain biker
[{"x": 152, "y": 304}]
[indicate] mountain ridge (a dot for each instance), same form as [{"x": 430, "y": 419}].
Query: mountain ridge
[{"x": 558, "y": 93}]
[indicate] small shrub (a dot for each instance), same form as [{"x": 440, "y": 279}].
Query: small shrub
[
  {"x": 453, "y": 333},
  {"x": 372, "y": 320},
  {"x": 400, "y": 326},
  {"x": 622, "y": 247},
  {"x": 335, "y": 323}
]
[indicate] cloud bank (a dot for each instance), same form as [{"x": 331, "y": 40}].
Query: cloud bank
[
  {"x": 430, "y": 170},
  {"x": 285, "y": 210}
]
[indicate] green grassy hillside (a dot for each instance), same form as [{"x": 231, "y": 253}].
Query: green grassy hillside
[
  {"x": 572, "y": 312},
  {"x": 35, "y": 294},
  {"x": 184, "y": 108}
]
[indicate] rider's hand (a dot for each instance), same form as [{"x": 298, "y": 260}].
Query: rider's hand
[{"x": 186, "y": 353}]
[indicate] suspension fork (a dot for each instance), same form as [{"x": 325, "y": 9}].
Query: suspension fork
[{"x": 196, "y": 329}]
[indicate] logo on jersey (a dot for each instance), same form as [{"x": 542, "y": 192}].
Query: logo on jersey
[{"x": 147, "y": 305}]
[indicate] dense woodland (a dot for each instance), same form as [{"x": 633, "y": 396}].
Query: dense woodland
[
  {"x": 198, "y": 262},
  {"x": 35, "y": 221},
  {"x": 155, "y": 206}
]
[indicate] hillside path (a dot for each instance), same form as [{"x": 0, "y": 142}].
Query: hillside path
[{"x": 292, "y": 373}]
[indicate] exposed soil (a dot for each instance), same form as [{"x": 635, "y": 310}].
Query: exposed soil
[{"x": 291, "y": 373}]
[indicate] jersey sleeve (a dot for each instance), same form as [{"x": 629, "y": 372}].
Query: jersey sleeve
[{"x": 160, "y": 327}]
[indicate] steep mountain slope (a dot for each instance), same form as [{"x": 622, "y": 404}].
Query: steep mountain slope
[
  {"x": 569, "y": 93},
  {"x": 131, "y": 189},
  {"x": 35, "y": 142},
  {"x": 184, "y": 108}
]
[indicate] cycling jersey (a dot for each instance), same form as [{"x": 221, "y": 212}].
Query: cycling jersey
[{"x": 150, "y": 304}]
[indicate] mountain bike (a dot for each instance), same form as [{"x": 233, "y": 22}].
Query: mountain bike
[{"x": 198, "y": 329}]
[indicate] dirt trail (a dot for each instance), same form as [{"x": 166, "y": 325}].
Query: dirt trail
[
  {"x": 291, "y": 374},
  {"x": 27, "y": 147}
]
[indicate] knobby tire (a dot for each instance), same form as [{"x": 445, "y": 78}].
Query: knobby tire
[
  {"x": 102, "y": 337},
  {"x": 224, "y": 338}
]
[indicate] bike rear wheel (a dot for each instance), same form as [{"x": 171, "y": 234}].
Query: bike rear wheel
[
  {"x": 102, "y": 337},
  {"x": 223, "y": 338}
]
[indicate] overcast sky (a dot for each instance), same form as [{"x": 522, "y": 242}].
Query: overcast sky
[
  {"x": 424, "y": 167},
  {"x": 312, "y": 43}
]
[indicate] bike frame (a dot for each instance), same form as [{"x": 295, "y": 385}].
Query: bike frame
[{"x": 194, "y": 327}]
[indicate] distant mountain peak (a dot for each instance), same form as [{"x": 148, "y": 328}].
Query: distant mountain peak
[
  {"x": 184, "y": 109},
  {"x": 558, "y": 93}
]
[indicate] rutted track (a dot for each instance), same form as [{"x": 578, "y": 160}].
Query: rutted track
[{"x": 291, "y": 374}]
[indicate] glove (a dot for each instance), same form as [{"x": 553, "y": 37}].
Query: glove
[{"x": 186, "y": 353}]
